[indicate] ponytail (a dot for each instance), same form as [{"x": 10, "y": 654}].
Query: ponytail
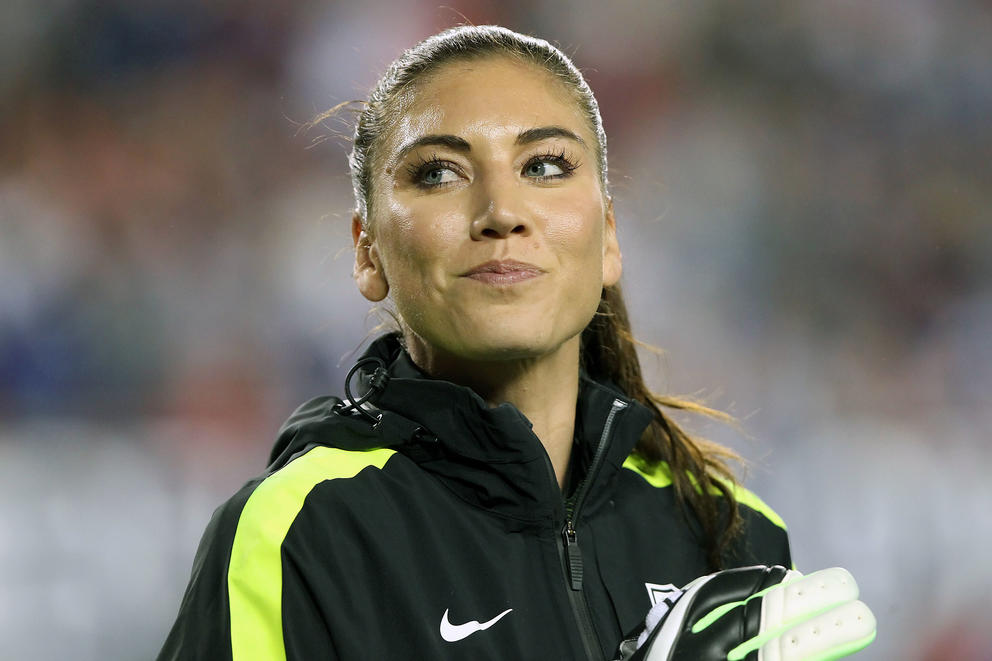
[{"x": 698, "y": 467}]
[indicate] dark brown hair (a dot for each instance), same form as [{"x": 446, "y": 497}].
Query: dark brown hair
[{"x": 698, "y": 469}]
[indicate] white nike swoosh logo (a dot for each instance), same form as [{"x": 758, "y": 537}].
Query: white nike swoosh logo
[{"x": 455, "y": 632}]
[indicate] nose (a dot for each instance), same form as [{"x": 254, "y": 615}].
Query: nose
[{"x": 501, "y": 213}]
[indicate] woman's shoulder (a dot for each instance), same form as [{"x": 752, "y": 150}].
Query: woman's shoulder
[
  {"x": 268, "y": 503},
  {"x": 763, "y": 537},
  {"x": 315, "y": 446},
  {"x": 659, "y": 475}
]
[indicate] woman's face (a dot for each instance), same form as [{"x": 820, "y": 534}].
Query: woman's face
[{"x": 491, "y": 231}]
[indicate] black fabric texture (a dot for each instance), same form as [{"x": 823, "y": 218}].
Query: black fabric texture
[{"x": 465, "y": 519}]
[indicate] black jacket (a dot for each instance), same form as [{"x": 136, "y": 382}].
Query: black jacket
[{"x": 391, "y": 541}]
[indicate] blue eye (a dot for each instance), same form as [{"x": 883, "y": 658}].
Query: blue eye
[
  {"x": 436, "y": 176},
  {"x": 541, "y": 169},
  {"x": 549, "y": 167},
  {"x": 433, "y": 172}
]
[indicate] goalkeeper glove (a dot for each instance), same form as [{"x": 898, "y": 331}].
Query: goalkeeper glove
[{"x": 757, "y": 614}]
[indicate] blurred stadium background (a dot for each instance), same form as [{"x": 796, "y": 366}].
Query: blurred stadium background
[{"x": 803, "y": 191}]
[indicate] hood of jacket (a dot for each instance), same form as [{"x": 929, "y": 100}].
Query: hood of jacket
[{"x": 487, "y": 455}]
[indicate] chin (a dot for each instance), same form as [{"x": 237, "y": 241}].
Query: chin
[
  {"x": 511, "y": 341},
  {"x": 481, "y": 333}
]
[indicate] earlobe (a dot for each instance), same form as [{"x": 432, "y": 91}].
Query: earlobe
[
  {"x": 612, "y": 259},
  {"x": 368, "y": 271}
]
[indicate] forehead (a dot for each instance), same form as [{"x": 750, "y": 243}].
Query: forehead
[{"x": 490, "y": 98}]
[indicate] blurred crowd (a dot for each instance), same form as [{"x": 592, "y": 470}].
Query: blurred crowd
[{"x": 804, "y": 197}]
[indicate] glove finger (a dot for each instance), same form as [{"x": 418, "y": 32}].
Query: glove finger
[
  {"x": 805, "y": 596},
  {"x": 838, "y": 632}
]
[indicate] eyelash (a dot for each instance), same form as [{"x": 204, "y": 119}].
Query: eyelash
[{"x": 418, "y": 170}]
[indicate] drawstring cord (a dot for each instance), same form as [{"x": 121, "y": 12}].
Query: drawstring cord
[
  {"x": 388, "y": 424},
  {"x": 377, "y": 382}
]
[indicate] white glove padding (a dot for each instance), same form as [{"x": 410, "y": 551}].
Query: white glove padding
[{"x": 759, "y": 614}]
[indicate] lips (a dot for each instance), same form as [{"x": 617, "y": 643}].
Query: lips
[{"x": 503, "y": 272}]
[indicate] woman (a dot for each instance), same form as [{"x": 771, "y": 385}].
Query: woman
[{"x": 507, "y": 486}]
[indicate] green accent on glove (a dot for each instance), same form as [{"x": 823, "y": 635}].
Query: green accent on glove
[
  {"x": 720, "y": 611},
  {"x": 845, "y": 650},
  {"x": 747, "y": 646}
]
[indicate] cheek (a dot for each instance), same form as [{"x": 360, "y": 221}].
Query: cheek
[
  {"x": 438, "y": 230},
  {"x": 575, "y": 228},
  {"x": 416, "y": 243}
]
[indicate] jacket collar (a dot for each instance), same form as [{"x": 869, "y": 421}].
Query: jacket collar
[{"x": 490, "y": 455}]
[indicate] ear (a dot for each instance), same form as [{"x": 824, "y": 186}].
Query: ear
[
  {"x": 612, "y": 259},
  {"x": 368, "y": 272}
]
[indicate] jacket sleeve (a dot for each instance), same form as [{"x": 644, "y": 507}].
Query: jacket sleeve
[
  {"x": 203, "y": 628},
  {"x": 258, "y": 606}
]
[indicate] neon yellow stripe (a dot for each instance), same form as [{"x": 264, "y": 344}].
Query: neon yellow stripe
[
  {"x": 254, "y": 578},
  {"x": 660, "y": 475}
]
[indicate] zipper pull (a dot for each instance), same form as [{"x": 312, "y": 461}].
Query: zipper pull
[{"x": 573, "y": 555}]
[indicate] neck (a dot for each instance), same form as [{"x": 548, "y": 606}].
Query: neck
[{"x": 544, "y": 388}]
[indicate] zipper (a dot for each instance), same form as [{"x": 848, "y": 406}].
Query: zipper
[
  {"x": 574, "y": 504},
  {"x": 568, "y": 542}
]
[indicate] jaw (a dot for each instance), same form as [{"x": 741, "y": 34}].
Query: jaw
[
  {"x": 503, "y": 325},
  {"x": 501, "y": 373}
]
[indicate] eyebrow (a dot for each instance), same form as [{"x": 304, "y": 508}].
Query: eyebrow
[
  {"x": 461, "y": 145},
  {"x": 544, "y": 132}
]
